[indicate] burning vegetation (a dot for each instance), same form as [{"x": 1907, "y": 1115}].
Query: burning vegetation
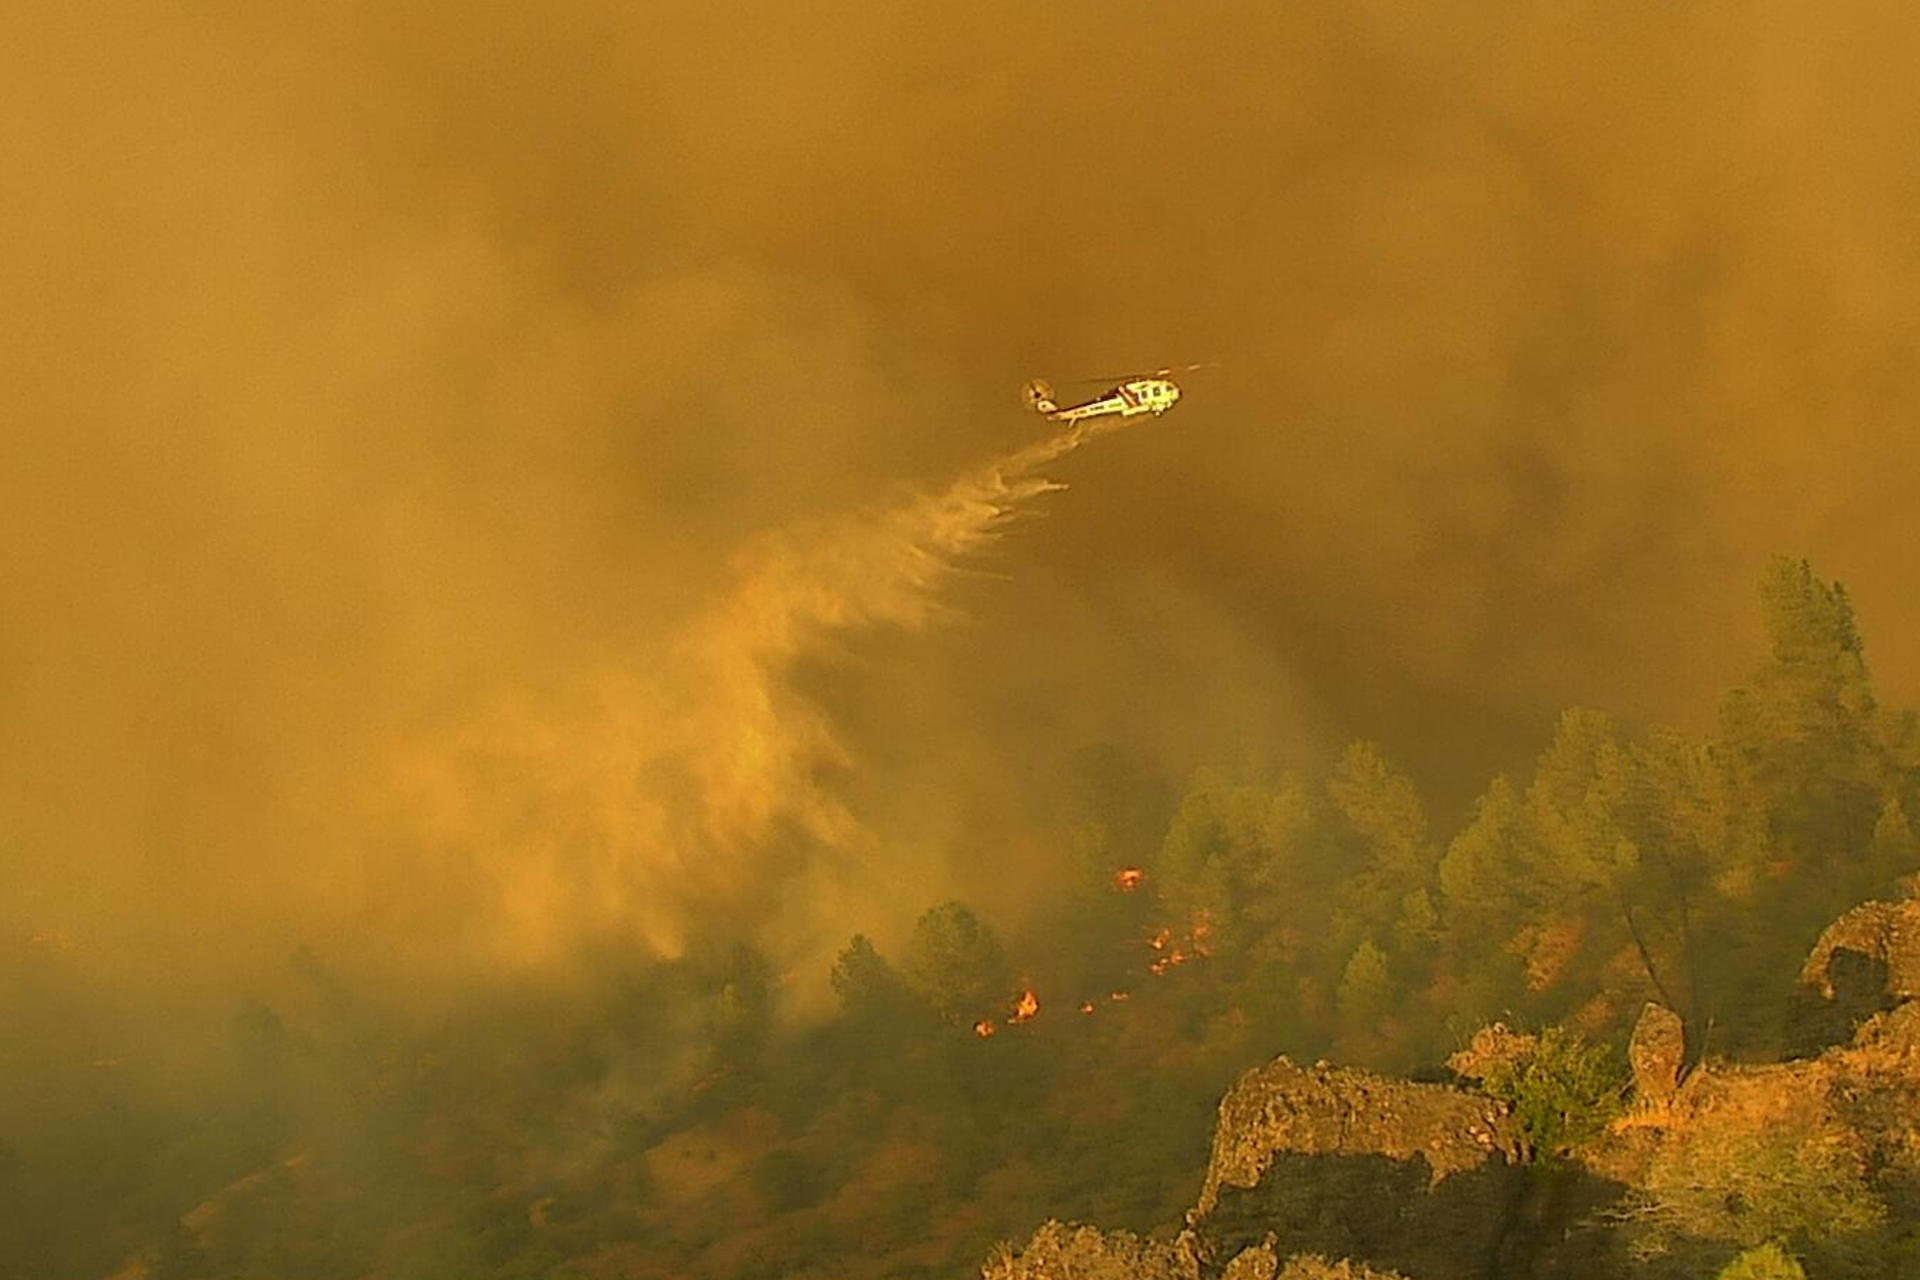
[
  {"x": 1171, "y": 949},
  {"x": 666, "y": 1120}
]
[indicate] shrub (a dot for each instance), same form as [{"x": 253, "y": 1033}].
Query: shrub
[
  {"x": 1766, "y": 1262},
  {"x": 1726, "y": 1181},
  {"x": 1564, "y": 1094}
]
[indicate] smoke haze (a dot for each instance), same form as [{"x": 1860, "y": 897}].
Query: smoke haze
[{"x": 476, "y": 481}]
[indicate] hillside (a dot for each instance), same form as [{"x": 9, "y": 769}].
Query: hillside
[
  {"x": 1702, "y": 1168},
  {"x": 1674, "y": 920}
]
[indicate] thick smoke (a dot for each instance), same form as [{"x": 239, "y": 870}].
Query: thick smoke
[
  {"x": 699, "y": 789},
  {"x": 404, "y": 407}
]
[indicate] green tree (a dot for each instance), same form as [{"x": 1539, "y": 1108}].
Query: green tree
[
  {"x": 1489, "y": 892},
  {"x": 1694, "y": 855},
  {"x": 1616, "y": 848},
  {"x": 956, "y": 963},
  {"x": 1239, "y": 857},
  {"x": 1382, "y": 923},
  {"x": 1366, "y": 989},
  {"x": 1563, "y": 1095},
  {"x": 1763, "y": 1262},
  {"x": 1573, "y": 807},
  {"x": 1386, "y": 828},
  {"x": 1801, "y": 733},
  {"x": 1534, "y": 893},
  {"x": 1818, "y": 775},
  {"x": 866, "y": 984}
]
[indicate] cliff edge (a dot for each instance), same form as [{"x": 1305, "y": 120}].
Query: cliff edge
[{"x": 1437, "y": 1182}]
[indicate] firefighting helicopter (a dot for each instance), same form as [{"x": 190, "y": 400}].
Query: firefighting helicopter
[{"x": 1131, "y": 394}]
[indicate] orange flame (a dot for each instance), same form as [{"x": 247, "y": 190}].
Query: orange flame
[
  {"x": 984, "y": 1028},
  {"x": 1119, "y": 995},
  {"x": 1202, "y": 930},
  {"x": 1025, "y": 1007},
  {"x": 1160, "y": 940},
  {"x": 1127, "y": 879},
  {"x": 1086, "y": 1006}
]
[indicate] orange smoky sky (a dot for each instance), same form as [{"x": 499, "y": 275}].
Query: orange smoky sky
[{"x": 454, "y": 459}]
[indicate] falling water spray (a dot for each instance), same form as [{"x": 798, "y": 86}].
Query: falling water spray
[
  {"x": 758, "y": 742},
  {"x": 690, "y": 786}
]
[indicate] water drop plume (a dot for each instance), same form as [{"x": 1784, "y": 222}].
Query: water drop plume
[{"x": 696, "y": 789}]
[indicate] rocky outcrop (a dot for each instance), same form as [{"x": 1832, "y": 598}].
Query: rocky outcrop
[
  {"x": 1321, "y": 1110},
  {"x": 1412, "y": 1179},
  {"x": 1657, "y": 1053},
  {"x": 1259, "y": 1263},
  {"x": 1061, "y": 1252},
  {"x": 1309, "y": 1266},
  {"x": 1397, "y": 1179},
  {"x": 1887, "y": 933},
  {"x": 1492, "y": 1049},
  {"x": 1822, "y": 1152}
]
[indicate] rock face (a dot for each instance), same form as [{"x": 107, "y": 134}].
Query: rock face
[
  {"x": 1257, "y": 1263},
  {"x": 1061, "y": 1252},
  {"x": 1657, "y": 1051},
  {"x": 1309, "y": 1266},
  {"x": 1491, "y": 1048},
  {"x": 1887, "y": 933},
  {"x": 1419, "y": 1180},
  {"x": 1822, "y": 1151},
  {"x": 1395, "y": 1179},
  {"x": 1285, "y": 1109}
]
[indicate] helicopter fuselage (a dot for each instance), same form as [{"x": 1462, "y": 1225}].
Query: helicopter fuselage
[{"x": 1136, "y": 396}]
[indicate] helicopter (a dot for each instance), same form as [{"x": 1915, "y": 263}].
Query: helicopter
[{"x": 1131, "y": 394}]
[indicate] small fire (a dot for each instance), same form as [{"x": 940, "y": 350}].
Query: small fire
[
  {"x": 1202, "y": 930},
  {"x": 1178, "y": 949},
  {"x": 1025, "y": 1007},
  {"x": 984, "y": 1028},
  {"x": 1127, "y": 879},
  {"x": 1086, "y": 1006},
  {"x": 1120, "y": 995}
]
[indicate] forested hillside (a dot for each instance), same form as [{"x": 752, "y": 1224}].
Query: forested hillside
[{"x": 678, "y": 1118}]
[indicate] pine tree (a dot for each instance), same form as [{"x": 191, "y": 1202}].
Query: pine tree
[{"x": 955, "y": 962}]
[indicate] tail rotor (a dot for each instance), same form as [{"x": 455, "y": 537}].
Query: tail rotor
[{"x": 1039, "y": 396}]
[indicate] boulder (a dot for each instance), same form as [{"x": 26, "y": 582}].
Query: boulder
[
  {"x": 1658, "y": 1052},
  {"x": 1491, "y": 1048}
]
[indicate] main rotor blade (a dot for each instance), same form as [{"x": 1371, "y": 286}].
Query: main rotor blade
[{"x": 1141, "y": 373}]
